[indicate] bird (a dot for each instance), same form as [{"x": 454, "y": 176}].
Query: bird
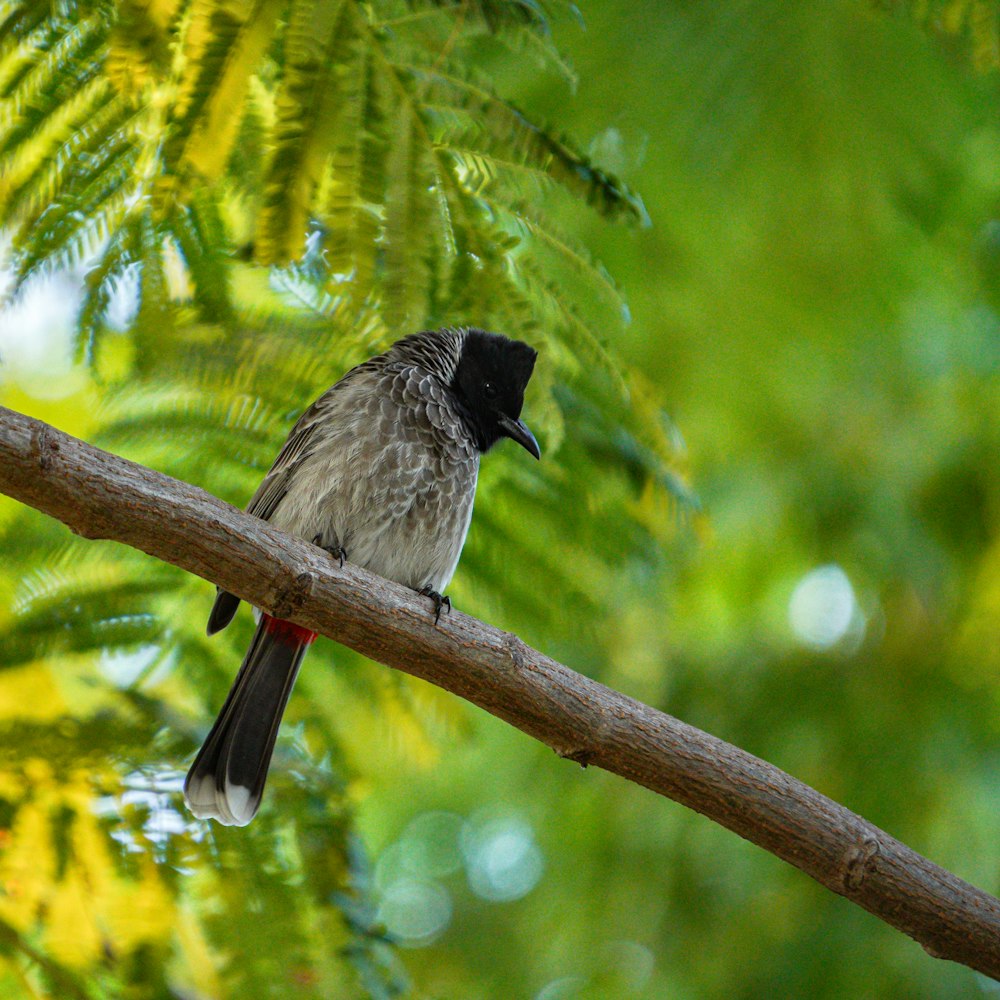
[{"x": 380, "y": 471}]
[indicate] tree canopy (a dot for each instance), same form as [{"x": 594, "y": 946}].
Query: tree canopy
[{"x": 228, "y": 204}]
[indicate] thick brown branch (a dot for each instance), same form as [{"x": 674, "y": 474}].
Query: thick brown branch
[{"x": 100, "y": 495}]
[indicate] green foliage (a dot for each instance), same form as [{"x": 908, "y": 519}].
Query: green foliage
[
  {"x": 970, "y": 26},
  {"x": 261, "y": 194},
  {"x": 277, "y": 191},
  {"x": 366, "y": 123}
]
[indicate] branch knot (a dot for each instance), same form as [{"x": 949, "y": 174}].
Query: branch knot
[
  {"x": 580, "y": 755},
  {"x": 45, "y": 445},
  {"x": 291, "y": 595},
  {"x": 859, "y": 862},
  {"x": 515, "y": 648}
]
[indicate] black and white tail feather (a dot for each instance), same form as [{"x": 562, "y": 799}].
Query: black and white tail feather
[{"x": 226, "y": 780}]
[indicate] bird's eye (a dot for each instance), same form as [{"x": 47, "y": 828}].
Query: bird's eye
[{"x": 489, "y": 390}]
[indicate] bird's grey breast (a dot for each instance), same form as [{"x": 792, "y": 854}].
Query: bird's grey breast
[{"x": 390, "y": 475}]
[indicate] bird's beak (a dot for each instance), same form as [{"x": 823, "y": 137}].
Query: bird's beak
[{"x": 518, "y": 431}]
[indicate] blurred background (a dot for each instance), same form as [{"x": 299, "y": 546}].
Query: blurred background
[{"x": 768, "y": 504}]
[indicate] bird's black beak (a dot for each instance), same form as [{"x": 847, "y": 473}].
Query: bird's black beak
[{"x": 518, "y": 431}]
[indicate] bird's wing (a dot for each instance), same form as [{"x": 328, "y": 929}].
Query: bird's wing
[
  {"x": 300, "y": 443},
  {"x": 262, "y": 504},
  {"x": 275, "y": 484}
]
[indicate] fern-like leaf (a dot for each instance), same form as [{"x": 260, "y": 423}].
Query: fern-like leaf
[
  {"x": 225, "y": 43},
  {"x": 304, "y": 133}
]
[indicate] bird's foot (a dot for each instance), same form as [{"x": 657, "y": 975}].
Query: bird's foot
[
  {"x": 439, "y": 601},
  {"x": 336, "y": 551}
]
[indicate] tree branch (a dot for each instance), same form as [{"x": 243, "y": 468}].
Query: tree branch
[{"x": 99, "y": 495}]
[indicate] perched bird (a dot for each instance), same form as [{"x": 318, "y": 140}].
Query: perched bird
[{"x": 381, "y": 470}]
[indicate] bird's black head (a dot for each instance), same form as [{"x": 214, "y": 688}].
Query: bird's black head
[{"x": 489, "y": 384}]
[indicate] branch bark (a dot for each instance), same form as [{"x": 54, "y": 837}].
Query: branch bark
[{"x": 100, "y": 495}]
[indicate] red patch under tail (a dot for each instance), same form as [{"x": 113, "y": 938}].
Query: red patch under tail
[{"x": 288, "y": 632}]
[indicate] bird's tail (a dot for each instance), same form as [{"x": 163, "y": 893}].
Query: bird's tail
[{"x": 226, "y": 780}]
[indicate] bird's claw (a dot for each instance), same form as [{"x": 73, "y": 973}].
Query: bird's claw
[
  {"x": 439, "y": 601},
  {"x": 336, "y": 551}
]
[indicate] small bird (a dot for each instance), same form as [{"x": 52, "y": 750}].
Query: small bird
[{"x": 381, "y": 470}]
